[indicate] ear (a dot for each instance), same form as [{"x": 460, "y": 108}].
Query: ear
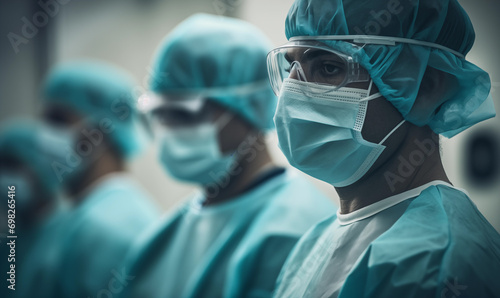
[{"x": 433, "y": 92}]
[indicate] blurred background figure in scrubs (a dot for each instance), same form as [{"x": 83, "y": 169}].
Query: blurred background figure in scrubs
[
  {"x": 211, "y": 109},
  {"x": 95, "y": 130},
  {"x": 34, "y": 209},
  {"x": 365, "y": 89}
]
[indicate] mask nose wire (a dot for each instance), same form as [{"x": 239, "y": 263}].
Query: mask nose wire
[
  {"x": 301, "y": 76},
  {"x": 223, "y": 120}
]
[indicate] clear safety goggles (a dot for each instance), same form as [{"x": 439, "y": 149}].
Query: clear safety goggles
[
  {"x": 307, "y": 59},
  {"x": 189, "y": 108},
  {"x": 185, "y": 114},
  {"x": 182, "y": 111},
  {"x": 313, "y": 62}
]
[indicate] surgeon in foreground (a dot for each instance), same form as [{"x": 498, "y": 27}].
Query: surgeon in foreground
[
  {"x": 365, "y": 88},
  {"x": 213, "y": 105}
]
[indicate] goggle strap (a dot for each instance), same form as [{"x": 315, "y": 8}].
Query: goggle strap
[{"x": 380, "y": 40}]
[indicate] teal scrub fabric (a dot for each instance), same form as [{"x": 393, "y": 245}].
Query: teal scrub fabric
[
  {"x": 441, "y": 246},
  {"x": 235, "y": 249},
  {"x": 102, "y": 230}
]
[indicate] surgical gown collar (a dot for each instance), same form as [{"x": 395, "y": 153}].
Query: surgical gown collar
[{"x": 375, "y": 208}]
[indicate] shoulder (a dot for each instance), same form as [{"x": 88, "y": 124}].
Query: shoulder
[
  {"x": 152, "y": 242},
  {"x": 440, "y": 240},
  {"x": 293, "y": 207},
  {"x": 286, "y": 216},
  {"x": 120, "y": 204}
]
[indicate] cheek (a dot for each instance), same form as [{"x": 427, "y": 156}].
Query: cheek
[{"x": 381, "y": 118}]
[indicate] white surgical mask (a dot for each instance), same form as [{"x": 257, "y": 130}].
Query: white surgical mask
[
  {"x": 319, "y": 131},
  {"x": 192, "y": 154}
]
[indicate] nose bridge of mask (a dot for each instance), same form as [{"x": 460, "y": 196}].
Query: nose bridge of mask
[
  {"x": 348, "y": 105},
  {"x": 188, "y": 139},
  {"x": 297, "y": 67}
]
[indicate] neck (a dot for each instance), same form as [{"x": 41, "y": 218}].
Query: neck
[
  {"x": 250, "y": 164},
  {"x": 414, "y": 163},
  {"x": 106, "y": 164}
]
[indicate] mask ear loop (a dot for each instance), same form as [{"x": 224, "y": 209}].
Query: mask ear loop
[
  {"x": 392, "y": 131},
  {"x": 223, "y": 120},
  {"x": 370, "y": 87},
  {"x": 220, "y": 123},
  {"x": 373, "y": 96}
]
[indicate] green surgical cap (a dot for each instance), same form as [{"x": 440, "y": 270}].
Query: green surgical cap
[
  {"x": 221, "y": 57},
  {"x": 100, "y": 92},
  {"x": 398, "y": 70}
]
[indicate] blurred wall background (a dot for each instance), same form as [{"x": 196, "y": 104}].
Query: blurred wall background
[{"x": 127, "y": 32}]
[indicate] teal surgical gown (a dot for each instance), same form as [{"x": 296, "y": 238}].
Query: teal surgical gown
[
  {"x": 37, "y": 255},
  {"x": 233, "y": 249},
  {"x": 427, "y": 242},
  {"x": 113, "y": 214}
]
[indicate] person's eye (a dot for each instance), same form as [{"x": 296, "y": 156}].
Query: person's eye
[{"x": 330, "y": 69}]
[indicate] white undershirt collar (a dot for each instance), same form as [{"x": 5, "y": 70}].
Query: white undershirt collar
[{"x": 370, "y": 210}]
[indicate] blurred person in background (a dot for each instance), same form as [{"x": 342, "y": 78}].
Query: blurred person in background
[
  {"x": 96, "y": 130},
  {"x": 365, "y": 88},
  {"x": 37, "y": 216},
  {"x": 212, "y": 107}
]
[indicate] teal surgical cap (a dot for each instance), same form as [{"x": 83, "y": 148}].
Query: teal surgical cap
[
  {"x": 101, "y": 93},
  {"x": 398, "y": 69},
  {"x": 219, "y": 58},
  {"x": 19, "y": 140}
]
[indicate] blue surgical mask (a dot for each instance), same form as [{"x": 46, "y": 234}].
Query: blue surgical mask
[
  {"x": 192, "y": 154},
  {"x": 319, "y": 131},
  {"x": 59, "y": 145},
  {"x": 56, "y": 143}
]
